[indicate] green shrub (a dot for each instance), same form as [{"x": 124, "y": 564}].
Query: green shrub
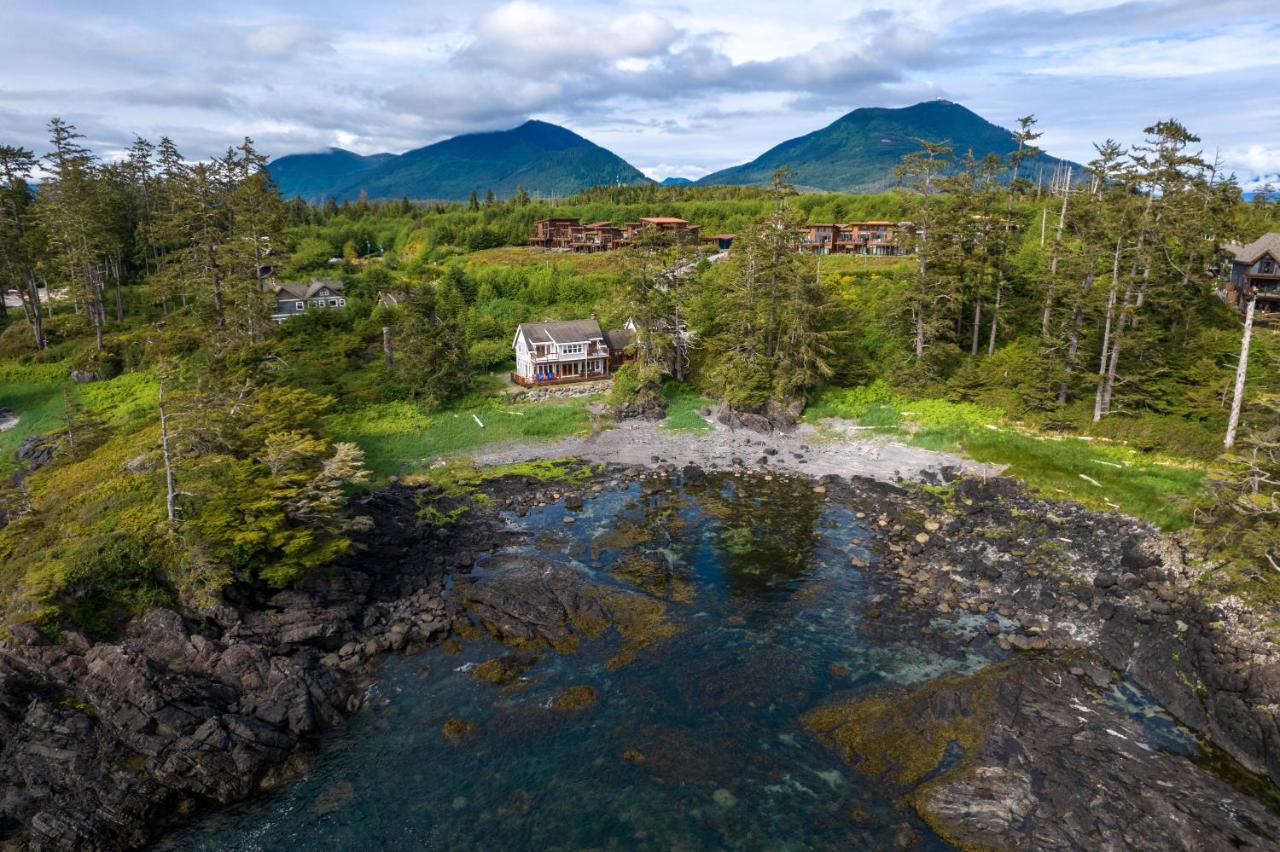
[{"x": 486, "y": 354}]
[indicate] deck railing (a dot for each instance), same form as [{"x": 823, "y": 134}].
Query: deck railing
[{"x": 526, "y": 382}]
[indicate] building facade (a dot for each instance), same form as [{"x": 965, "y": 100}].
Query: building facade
[
  {"x": 556, "y": 352},
  {"x": 872, "y": 238},
  {"x": 566, "y": 234},
  {"x": 1255, "y": 272},
  {"x": 293, "y": 299}
]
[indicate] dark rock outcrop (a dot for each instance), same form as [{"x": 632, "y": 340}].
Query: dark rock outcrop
[
  {"x": 1043, "y": 764},
  {"x": 106, "y": 744},
  {"x": 653, "y": 408}
]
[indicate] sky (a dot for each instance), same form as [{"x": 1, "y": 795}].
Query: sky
[{"x": 676, "y": 88}]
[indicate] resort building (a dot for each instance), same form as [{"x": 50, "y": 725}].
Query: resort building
[
  {"x": 566, "y": 234},
  {"x": 873, "y": 238}
]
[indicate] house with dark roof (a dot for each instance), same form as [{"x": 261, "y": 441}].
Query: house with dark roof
[
  {"x": 316, "y": 294},
  {"x": 555, "y": 352},
  {"x": 1255, "y": 272}
]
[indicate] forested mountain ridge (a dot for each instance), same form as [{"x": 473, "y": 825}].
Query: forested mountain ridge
[
  {"x": 859, "y": 151},
  {"x": 540, "y": 158},
  {"x": 313, "y": 176}
]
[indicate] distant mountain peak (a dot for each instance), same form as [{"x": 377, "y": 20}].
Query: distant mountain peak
[
  {"x": 858, "y": 151},
  {"x": 543, "y": 158}
]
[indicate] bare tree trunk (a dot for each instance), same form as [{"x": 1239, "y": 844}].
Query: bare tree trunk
[
  {"x": 388, "y": 355},
  {"x": 995, "y": 315},
  {"x": 31, "y": 303},
  {"x": 1053, "y": 263},
  {"x": 119, "y": 295},
  {"x": 924, "y": 267},
  {"x": 1073, "y": 346},
  {"x": 171, "y": 493},
  {"x": 977, "y": 325},
  {"x": 1237, "y": 398},
  {"x": 1106, "y": 332}
]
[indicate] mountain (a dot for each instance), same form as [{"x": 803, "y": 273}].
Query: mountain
[
  {"x": 543, "y": 158},
  {"x": 312, "y": 176},
  {"x": 676, "y": 181},
  {"x": 857, "y": 152}
]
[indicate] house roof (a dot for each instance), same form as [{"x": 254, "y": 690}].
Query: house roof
[
  {"x": 306, "y": 291},
  {"x": 561, "y": 331},
  {"x": 617, "y": 339},
  {"x": 663, "y": 220},
  {"x": 604, "y": 224},
  {"x": 1266, "y": 244}
]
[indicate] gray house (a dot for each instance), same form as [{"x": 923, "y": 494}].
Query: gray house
[{"x": 316, "y": 294}]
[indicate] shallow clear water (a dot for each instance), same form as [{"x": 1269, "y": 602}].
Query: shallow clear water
[{"x": 696, "y": 744}]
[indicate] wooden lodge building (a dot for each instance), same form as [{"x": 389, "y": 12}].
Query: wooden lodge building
[
  {"x": 567, "y": 234},
  {"x": 558, "y": 352},
  {"x": 1255, "y": 271},
  {"x": 873, "y": 238}
]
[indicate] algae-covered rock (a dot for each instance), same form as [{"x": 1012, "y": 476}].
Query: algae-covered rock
[
  {"x": 724, "y": 798},
  {"x": 907, "y": 735},
  {"x": 333, "y": 799},
  {"x": 455, "y": 729},
  {"x": 505, "y": 669},
  {"x": 576, "y": 698},
  {"x": 1022, "y": 756}
]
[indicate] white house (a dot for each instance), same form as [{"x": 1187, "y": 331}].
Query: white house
[{"x": 566, "y": 351}]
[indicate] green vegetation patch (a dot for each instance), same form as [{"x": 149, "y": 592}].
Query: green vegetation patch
[
  {"x": 1095, "y": 473},
  {"x": 398, "y": 437},
  {"x": 683, "y": 403}
]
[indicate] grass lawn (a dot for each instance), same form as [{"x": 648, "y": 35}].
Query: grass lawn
[
  {"x": 39, "y": 406},
  {"x": 398, "y": 438},
  {"x": 1098, "y": 474},
  {"x": 683, "y": 403},
  {"x": 585, "y": 264}
]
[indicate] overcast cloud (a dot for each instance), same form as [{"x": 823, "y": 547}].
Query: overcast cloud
[{"x": 675, "y": 88}]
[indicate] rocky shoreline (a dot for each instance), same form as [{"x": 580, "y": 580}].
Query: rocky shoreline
[{"x": 106, "y": 745}]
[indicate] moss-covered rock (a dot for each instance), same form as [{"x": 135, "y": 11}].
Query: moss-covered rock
[
  {"x": 576, "y": 698},
  {"x": 505, "y": 669},
  {"x": 456, "y": 730}
]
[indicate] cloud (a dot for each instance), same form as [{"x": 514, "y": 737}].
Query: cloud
[
  {"x": 279, "y": 40},
  {"x": 671, "y": 86},
  {"x": 527, "y": 36}
]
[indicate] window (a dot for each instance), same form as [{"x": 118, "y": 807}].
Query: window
[
  {"x": 342, "y": 301},
  {"x": 573, "y": 349},
  {"x": 299, "y": 306},
  {"x": 333, "y": 303}
]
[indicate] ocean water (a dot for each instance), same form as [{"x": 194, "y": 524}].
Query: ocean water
[{"x": 694, "y": 744}]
